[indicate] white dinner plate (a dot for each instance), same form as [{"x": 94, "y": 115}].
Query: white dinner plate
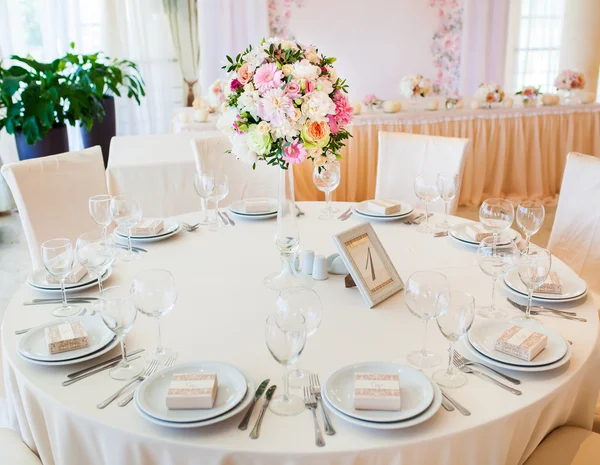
[
  {"x": 574, "y": 287},
  {"x": 416, "y": 392},
  {"x": 239, "y": 208},
  {"x": 152, "y": 393},
  {"x": 250, "y": 388},
  {"x": 33, "y": 343},
  {"x": 424, "y": 416},
  {"x": 362, "y": 208},
  {"x": 170, "y": 228},
  {"x": 484, "y": 333},
  {"x": 39, "y": 276},
  {"x": 460, "y": 234}
]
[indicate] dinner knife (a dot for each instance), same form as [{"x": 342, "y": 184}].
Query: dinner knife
[
  {"x": 256, "y": 430},
  {"x": 77, "y": 374},
  {"x": 553, "y": 310},
  {"x": 68, "y": 382},
  {"x": 259, "y": 392}
]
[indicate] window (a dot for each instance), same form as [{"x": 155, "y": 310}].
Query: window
[{"x": 537, "y": 49}]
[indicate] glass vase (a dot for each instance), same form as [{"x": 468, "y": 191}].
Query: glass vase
[{"x": 287, "y": 238}]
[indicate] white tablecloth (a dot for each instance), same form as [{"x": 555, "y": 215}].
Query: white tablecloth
[{"x": 220, "y": 315}]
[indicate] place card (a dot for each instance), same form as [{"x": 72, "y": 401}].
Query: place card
[
  {"x": 477, "y": 232},
  {"x": 377, "y": 391},
  {"x": 192, "y": 391},
  {"x": 523, "y": 343},
  {"x": 256, "y": 205},
  {"x": 76, "y": 275},
  {"x": 552, "y": 285},
  {"x": 383, "y": 207},
  {"x": 66, "y": 337},
  {"x": 147, "y": 228}
]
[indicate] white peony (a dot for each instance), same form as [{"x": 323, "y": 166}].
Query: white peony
[
  {"x": 305, "y": 70},
  {"x": 226, "y": 120},
  {"x": 324, "y": 85},
  {"x": 286, "y": 130},
  {"x": 248, "y": 101},
  {"x": 239, "y": 147},
  {"x": 317, "y": 105}
]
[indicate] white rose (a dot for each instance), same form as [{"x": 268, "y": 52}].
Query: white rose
[
  {"x": 239, "y": 147},
  {"x": 226, "y": 120},
  {"x": 287, "y": 70},
  {"x": 324, "y": 85},
  {"x": 263, "y": 127},
  {"x": 333, "y": 75},
  {"x": 317, "y": 105},
  {"x": 297, "y": 115},
  {"x": 288, "y": 45},
  {"x": 305, "y": 70},
  {"x": 249, "y": 87}
]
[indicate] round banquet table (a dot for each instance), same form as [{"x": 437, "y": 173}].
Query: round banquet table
[{"x": 220, "y": 315}]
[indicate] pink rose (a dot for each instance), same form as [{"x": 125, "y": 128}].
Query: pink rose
[
  {"x": 292, "y": 89},
  {"x": 244, "y": 75}
]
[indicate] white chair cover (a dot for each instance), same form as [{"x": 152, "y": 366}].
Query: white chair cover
[
  {"x": 402, "y": 156},
  {"x": 52, "y": 195},
  {"x": 575, "y": 236},
  {"x": 13, "y": 451}
]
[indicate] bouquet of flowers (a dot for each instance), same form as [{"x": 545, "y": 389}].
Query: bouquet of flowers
[
  {"x": 415, "y": 86},
  {"x": 489, "y": 93},
  {"x": 285, "y": 104},
  {"x": 529, "y": 94},
  {"x": 371, "y": 101},
  {"x": 570, "y": 79}
]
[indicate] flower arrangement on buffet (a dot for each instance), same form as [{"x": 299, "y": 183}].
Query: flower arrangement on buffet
[
  {"x": 529, "y": 94},
  {"x": 489, "y": 93},
  {"x": 570, "y": 79},
  {"x": 415, "y": 86}
]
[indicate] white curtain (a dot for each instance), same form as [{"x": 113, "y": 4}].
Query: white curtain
[{"x": 226, "y": 28}]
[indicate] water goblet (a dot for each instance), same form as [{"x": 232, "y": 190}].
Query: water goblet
[
  {"x": 454, "y": 323},
  {"x": 426, "y": 296},
  {"x": 285, "y": 334},
  {"x": 58, "y": 258},
  {"x": 219, "y": 192},
  {"x": 327, "y": 178},
  {"x": 204, "y": 185},
  {"x": 496, "y": 260},
  {"x": 447, "y": 184},
  {"x": 307, "y": 303},
  {"x": 530, "y": 216},
  {"x": 533, "y": 268},
  {"x": 155, "y": 296},
  {"x": 496, "y": 215},
  {"x": 126, "y": 213},
  {"x": 426, "y": 190},
  {"x": 119, "y": 313},
  {"x": 99, "y": 206},
  {"x": 95, "y": 252}
]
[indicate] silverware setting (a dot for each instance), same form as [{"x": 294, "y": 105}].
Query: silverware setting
[
  {"x": 129, "y": 397},
  {"x": 57, "y": 301},
  {"x": 255, "y": 433},
  {"x": 257, "y": 395},
  {"x": 542, "y": 310},
  {"x": 229, "y": 218},
  {"x": 447, "y": 405},
  {"x": 150, "y": 369},
  {"x": 453, "y": 402},
  {"x": 223, "y": 219},
  {"x": 347, "y": 214},
  {"x": 133, "y": 248},
  {"x": 418, "y": 219},
  {"x": 77, "y": 374},
  {"x": 190, "y": 227},
  {"x": 315, "y": 388},
  {"x": 466, "y": 362},
  {"x": 89, "y": 373},
  {"x": 468, "y": 370},
  {"x": 310, "y": 401},
  {"x": 298, "y": 211}
]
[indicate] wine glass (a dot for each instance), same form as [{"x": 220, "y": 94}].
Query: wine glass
[
  {"x": 204, "y": 185},
  {"x": 327, "y": 178},
  {"x": 95, "y": 252},
  {"x": 155, "y": 296},
  {"x": 58, "y": 258},
  {"x": 496, "y": 260},
  {"x": 126, "y": 213},
  {"x": 99, "y": 206},
  {"x": 454, "y": 323},
  {"x": 219, "y": 192},
  {"x": 530, "y": 216},
  {"x": 285, "y": 333},
  {"x": 307, "y": 303},
  {"x": 118, "y": 313},
  {"x": 426, "y": 190},
  {"x": 533, "y": 268},
  {"x": 447, "y": 184},
  {"x": 496, "y": 215},
  {"x": 426, "y": 296}
]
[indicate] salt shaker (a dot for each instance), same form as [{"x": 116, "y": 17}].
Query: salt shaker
[
  {"x": 308, "y": 258},
  {"x": 319, "y": 271}
]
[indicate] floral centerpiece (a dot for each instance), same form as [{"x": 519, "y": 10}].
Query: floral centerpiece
[
  {"x": 489, "y": 93},
  {"x": 415, "y": 86},
  {"x": 372, "y": 101},
  {"x": 216, "y": 94},
  {"x": 285, "y": 104},
  {"x": 570, "y": 79},
  {"x": 529, "y": 94}
]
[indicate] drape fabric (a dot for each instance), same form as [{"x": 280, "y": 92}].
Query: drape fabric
[{"x": 567, "y": 445}]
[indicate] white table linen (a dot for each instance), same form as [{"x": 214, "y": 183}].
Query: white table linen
[{"x": 220, "y": 315}]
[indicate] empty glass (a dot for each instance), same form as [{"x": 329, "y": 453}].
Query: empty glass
[
  {"x": 533, "y": 268},
  {"x": 426, "y": 190},
  {"x": 118, "y": 313},
  {"x": 95, "y": 252},
  {"x": 496, "y": 261},
  {"x": 327, "y": 178},
  {"x": 204, "y": 185},
  {"x": 219, "y": 192},
  {"x": 530, "y": 217},
  {"x": 496, "y": 215},
  {"x": 285, "y": 334},
  {"x": 454, "y": 323},
  {"x": 126, "y": 213},
  {"x": 426, "y": 296},
  {"x": 58, "y": 258},
  {"x": 99, "y": 206},
  {"x": 155, "y": 296},
  {"x": 307, "y": 303},
  {"x": 447, "y": 184}
]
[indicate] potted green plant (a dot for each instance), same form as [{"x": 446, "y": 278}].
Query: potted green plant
[{"x": 104, "y": 78}]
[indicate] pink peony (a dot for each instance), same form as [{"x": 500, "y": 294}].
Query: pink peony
[
  {"x": 292, "y": 89},
  {"x": 343, "y": 112},
  {"x": 268, "y": 76},
  {"x": 294, "y": 153}
]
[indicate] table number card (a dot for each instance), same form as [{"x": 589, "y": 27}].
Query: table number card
[{"x": 368, "y": 263}]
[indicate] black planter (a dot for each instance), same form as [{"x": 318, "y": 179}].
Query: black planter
[
  {"x": 55, "y": 141},
  {"x": 102, "y": 132}
]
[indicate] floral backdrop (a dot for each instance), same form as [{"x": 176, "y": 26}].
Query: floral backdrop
[{"x": 280, "y": 12}]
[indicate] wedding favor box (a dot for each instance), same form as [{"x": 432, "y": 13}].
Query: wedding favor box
[
  {"x": 376, "y": 391},
  {"x": 552, "y": 285},
  {"x": 523, "y": 343},
  {"x": 256, "y": 205},
  {"x": 192, "y": 391},
  {"x": 384, "y": 207},
  {"x": 477, "y": 232},
  {"x": 76, "y": 274},
  {"x": 147, "y": 228},
  {"x": 66, "y": 337}
]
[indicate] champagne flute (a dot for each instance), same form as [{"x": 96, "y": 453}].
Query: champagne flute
[
  {"x": 219, "y": 192},
  {"x": 447, "y": 184},
  {"x": 426, "y": 190},
  {"x": 95, "y": 252},
  {"x": 126, "y": 213},
  {"x": 327, "y": 178},
  {"x": 99, "y": 206},
  {"x": 496, "y": 215},
  {"x": 530, "y": 217},
  {"x": 58, "y": 258},
  {"x": 533, "y": 268},
  {"x": 204, "y": 185}
]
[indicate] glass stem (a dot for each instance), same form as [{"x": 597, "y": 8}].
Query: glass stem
[
  {"x": 159, "y": 347},
  {"x": 427, "y": 216},
  {"x": 328, "y": 202},
  {"x": 446, "y": 208},
  {"x": 493, "y": 306},
  {"x": 217, "y": 213},
  {"x": 129, "y": 240},
  {"x": 105, "y": 232},
  {"x": 204, "y": 208},
  {"x": 424, "y": 349},
  {"x": 286, "y": 384},
  {"x": 527, "y": 241},
  {"x": 64, "y": 292},
  {"x": 528, "y": 311},
  {"x": 450, "y": 371},
  {"x": 100, "y": 284},
  {"x": 123, "y": 351}
]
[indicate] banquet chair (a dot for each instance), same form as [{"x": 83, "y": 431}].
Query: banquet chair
[
  {"x": 13, "y": 451},
  {"x": 244, "y": 182},
  {"x": 567, "y": 445},
  {"x": 402, "y": 156},
  {"x": 52, "y": 195}
]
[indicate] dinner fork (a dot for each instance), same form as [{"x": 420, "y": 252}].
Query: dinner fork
[
  {"x": 469, "y": 370},
  {"x": 190, "y": 227},
  {"x": 229, "y": 219},
  {"x": 463, "y": 361},
  {"x": 346, "y": 213},
  {"x": 310, "y": 401},
  {"x": 123, "y": 402},
  {"x": 315, "y": 387},
  {"x": 150, "y": 369},
  {"x": 298, "y": 211}
]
